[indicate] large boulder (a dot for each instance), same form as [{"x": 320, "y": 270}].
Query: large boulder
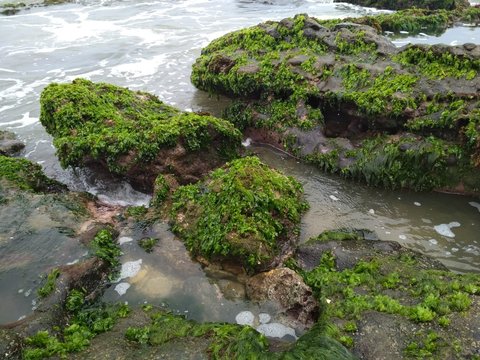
[
  {"x": 133, "y": 134},
  {"x": 244, "y": 212},
  {"x": 344, "y": 97}
]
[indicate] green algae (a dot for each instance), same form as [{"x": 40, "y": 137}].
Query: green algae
[
  {"x": 398, "y": 5},
  {"x": 148, "y": 243},
  {"x": 406, "y": 162},
  {"x": 50, "y": 284},
  {"x": 104, "y": 246},
  {"x": 123, "y": 128},
  {"x": 85, "y": 322},
  {"x": 397, "y": 284},
  {"x": 227, "y": 341},
  {"x": 25, "y": 175},
  {"x": 438, "y": 65},
  {"x": 244, "y": 211}
]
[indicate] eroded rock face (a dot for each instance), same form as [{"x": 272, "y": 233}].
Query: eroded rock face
[
  {"x": 342, "y": 96},
  {"x": 286, "y": 288},
  {"x": 133, "y": 134}
]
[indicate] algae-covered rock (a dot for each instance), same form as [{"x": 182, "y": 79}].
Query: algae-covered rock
[
  {"x": 387, "y": 302},
  {"x": 133, "y": 134},
  {"x": 155, "y": 334},
  {"x": 406, "y": 4},
  {"x": 244, "y": 212},
  {"x": 23, "y": 174},
  {"x": 324, "y": 87}
]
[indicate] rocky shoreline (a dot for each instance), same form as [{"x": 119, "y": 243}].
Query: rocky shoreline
[{"x": 333, "y": 93}]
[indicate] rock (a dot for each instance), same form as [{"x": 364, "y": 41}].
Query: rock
[
  {"x": 244, "y": 213},
  {"x": 423, "y": 4},
  {"x": 287, "y": 289},
  {"x": 350, "y": 83},
  {"x": 133, "y": 134},
  {"x": 389, "y": 302},
  {"x": 9, "y": 145}
]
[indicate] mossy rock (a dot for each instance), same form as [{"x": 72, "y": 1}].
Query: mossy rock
[
  {"x": 406, "y": 4},
  {"x": 22, "y": 174},
  {"x": 244, "y": 212},
  {"x": 133, "y": 134},
  {"x": 310, "y": 81},
  {"x": 387, "y": 302},
  {"x": 170, "y": 336}
]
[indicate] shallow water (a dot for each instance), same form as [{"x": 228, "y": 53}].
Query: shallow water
[
  {"x": 35, "y": 237},
  {"x": 151, "y": 45}
]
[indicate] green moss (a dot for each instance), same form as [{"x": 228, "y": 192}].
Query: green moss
[
  {"x": 137, "y": 212},
  {"x": 148, "y": 244},
  {"x": 438, "y": 65},
  {"x": 336, "y": 235},
  {"x": 50, "y": 284},
  {"x": 25, "y": 175},
  {"x": 228, "y": 341},
  {"x": 123, "y": 128},
  {"x": 244, "y": 210},
  {"x": 86, "y": 322},
  {"x": 104, "y": 246},
  {"x": 389, "y": 284},
  {"x": 161, "y": 190},
  {"x": 428, "y": 346},
  {"x": 408, "y": 162}
]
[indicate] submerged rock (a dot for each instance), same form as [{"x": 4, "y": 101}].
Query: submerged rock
[
  {"x": 9, "y": 145},
  {"x": 342, "y": 96},
  {"x": 133, "y": 134},
  {"x": 244, "y": 212}
]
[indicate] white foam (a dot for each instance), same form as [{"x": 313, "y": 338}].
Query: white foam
[
  {"x": 124, "y": 239},
  {"x": 402, "y": 237},
  {"x": 140, "y": 68},
  {"x": 445, "y": 229},
  {"x": 130, "y": 269},
  {"x": 264, "y": 318},
  {"x": 245, "y": 318},
  {"x": 122, "y": 288},
  {"x": 247, "y": 142},
  {"x": 475, "y": 205},
  {"x": 371, "y": 211},
  {"x": 416, "y": 203},
  {"x": 276, "y": 330},
  {"x": 433, "y": 242},
  {"x": 334, "y": 198}
]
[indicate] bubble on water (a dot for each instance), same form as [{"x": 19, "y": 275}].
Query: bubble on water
[
  {"x": 122, "y": 288},
  {"x": 276, "y": 330},
  {"x": 371, "y": 211},
  {"x": 245, "y": 318},
  {"x": 445, "y": 229},
  {"x": 416, "y": 203},
  {"x": 334, "y": 198},
  {"x": 264, "y": 318},
  {"x": 433, "y": 242},
  {"x": 402, "y": 237},
  {"x": 130, "y": 269},
  {"x": 124, "y": 240}
]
